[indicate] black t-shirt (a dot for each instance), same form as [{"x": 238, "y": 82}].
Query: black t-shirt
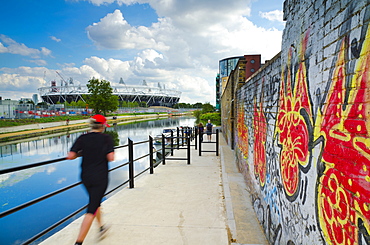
[{"x": 94, "y": 147}]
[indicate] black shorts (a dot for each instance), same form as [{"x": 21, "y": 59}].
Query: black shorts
[{"x": 96, "y": 190}]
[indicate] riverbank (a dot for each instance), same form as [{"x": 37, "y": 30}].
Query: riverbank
[{"x": 39, "y": 129}]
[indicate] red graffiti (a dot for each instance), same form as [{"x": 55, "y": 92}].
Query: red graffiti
[
  {"x": 259, "y": 123},
  {"x": 344, "y": 187},
  {"x": 291, "y": 125},
  {"x": 242, "y": 139}
]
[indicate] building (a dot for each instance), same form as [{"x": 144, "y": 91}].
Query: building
[
  {"x": 152, "y": 96},
  {"x": 35, "y": 98},
  {"x": 8, "y": 108},
  {"x": 251, "y": 64}
]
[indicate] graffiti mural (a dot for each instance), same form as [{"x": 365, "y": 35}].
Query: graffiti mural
[
  {"x": 242, "y": 132},
  {"x": 343, "y": 188},
  {"x": 293, "y": 124},
  {"x": 259, "y": 123},
  {"x": 303, "y": 131}
]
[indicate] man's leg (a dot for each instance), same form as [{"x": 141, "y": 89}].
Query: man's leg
[{"x": 85, "y": 227}]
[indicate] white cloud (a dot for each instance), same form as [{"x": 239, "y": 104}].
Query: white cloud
[
  {"x": 55, "y": 39},
  {"x": 13, "y": 47},
  {"x": 188, "y": 38},
  {"x": 180, "y": 50},
  {"x": 113, "y": 32},
  {"x": 20, "y": 84},
  {"x": 276, "y": 15},
  {"x": 39, "y": 62},
  {"x": 61, "y": 180}
]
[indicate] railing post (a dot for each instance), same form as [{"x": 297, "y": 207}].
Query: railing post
[
  {"x": 178, "y": 138},
  {"x": 196, "y": 136},
  {"x": 182, "y": 136},
  {"x": 151, "y": 158},
  {"x": 131, "y": 162},
  {"x": 217, "y": 142},
  {"x": 200, "y": 144},
  {"x": 171, "y": 142},
  {"x": 163, "y": 150},
  {"x": 188, "y": 150}
]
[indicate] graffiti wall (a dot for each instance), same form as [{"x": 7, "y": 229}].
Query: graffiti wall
[{"x": 302, "y": 138}]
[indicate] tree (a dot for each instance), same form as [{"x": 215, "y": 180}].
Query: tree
[
  {"x": 81, "y": 104},
  {"x": 198, "y": 105},
  {"x": 207, "y": 107},
  {"x": 197, "y": 114},
  {"x": 100, "y": 97},
  {"x": 42, "y": 104}
]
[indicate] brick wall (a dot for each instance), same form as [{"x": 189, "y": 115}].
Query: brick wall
[{"x": 302, "y": 137}]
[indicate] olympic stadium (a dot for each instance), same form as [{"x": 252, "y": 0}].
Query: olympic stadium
[{"x": 152, "y": 96}]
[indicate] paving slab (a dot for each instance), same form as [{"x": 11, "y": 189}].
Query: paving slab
[{"x": 201, "y": 203}]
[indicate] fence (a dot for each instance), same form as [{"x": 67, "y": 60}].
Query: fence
[
  {"x": 164, "y": 151},
  {"x": 201, "y": 141}
]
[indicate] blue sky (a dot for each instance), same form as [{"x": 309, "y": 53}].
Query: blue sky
[{"x": 177, "y": 43}]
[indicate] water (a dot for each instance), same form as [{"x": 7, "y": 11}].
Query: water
[{"x": 26, "y": 185}]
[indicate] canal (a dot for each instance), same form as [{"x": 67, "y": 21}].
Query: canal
[{"x": 23, "y": 186}]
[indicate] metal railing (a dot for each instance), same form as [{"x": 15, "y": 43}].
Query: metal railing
[
  {"x": 202, "y": 141},
  {"x": 130, "y": 181},
  {"x": 171, "y": 148}
]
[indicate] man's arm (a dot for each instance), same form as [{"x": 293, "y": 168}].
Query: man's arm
[
  {"x": 71, "y": 155},
  {"x": 110, "y": 156}
]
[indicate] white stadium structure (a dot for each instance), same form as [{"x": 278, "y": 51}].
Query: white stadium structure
[{"x": 152, "y": 96}]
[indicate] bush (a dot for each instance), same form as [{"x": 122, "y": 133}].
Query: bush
[
  {"x": 197, "y": 114},
  {"x": 215, "y": 118}
]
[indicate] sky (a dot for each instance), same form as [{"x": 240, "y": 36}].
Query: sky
[{"x": 174, "y": 43}]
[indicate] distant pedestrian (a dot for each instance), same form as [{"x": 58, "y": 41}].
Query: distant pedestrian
[
  {"x": 209, "y": 127},
  {"x": 201, "y": 131},
  {"x": 96, "y": 150},
  {"x": 67, "y": 121}
]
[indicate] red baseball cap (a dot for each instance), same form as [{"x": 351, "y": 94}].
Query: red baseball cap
[{"x": 100, "y": 119}]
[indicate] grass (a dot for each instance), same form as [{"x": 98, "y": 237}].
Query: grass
[{"x": 20, "y": 122}]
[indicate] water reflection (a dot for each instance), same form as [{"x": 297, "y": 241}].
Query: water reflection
[{"x": 22, "y": 186}]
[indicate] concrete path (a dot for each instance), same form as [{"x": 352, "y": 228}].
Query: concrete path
[{"x": 203, "y": 203}]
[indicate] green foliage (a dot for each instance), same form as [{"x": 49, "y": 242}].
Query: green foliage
[
  {"x": 197, "y": 105},
  {"x": 127, "y": 104},
  {"x": 215, "y": 118},
  {"x": 114, "y": 136},
  {"x": 42, "y": 105},
  {"x": 207, "y": 108},
  {"x": 81, "y": 104},
  {"x": 101, "y": 98},
  {"x": 182, "y": 106},
  {"x": 197, "y": 114}
]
